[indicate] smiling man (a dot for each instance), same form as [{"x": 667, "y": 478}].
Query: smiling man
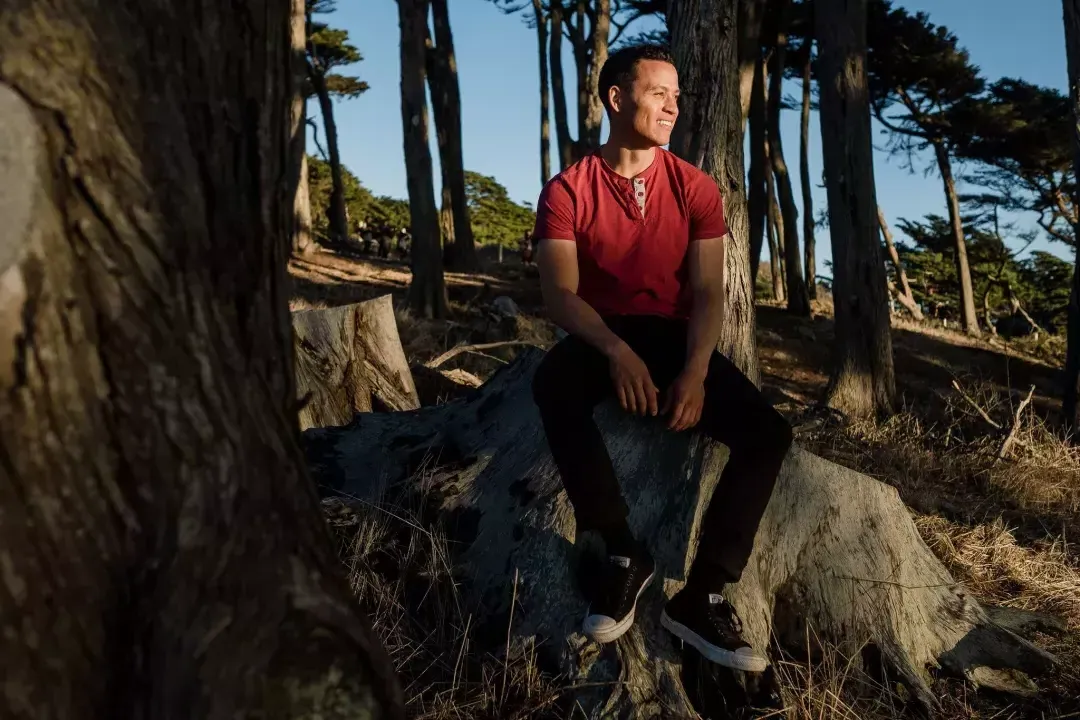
[{"x": 631, "y": 259}]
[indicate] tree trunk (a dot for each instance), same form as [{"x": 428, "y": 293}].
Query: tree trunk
[
  {"x": 704, "y": 39},
  {"x": 809, "y": 242},
  {"x": 836, "y": 551},
  {"x": 349, "y": 360},
  {"x": 775, "y": 230},
  {"x": 751, "y": 14},
  {"x": 592, "y": 111},
  {"x": 427, "y": 291},
  {"x": 1070, "y": 404},
  {"x": 758, "y": 203},
  {"x": 338, "y": 217},
  {"x": 903, "y": 288},
  {"x": 302, "y": 241},
  {"x": 545, "y": 113},
  {"x": 558, "y": 87},
  {"x": 446, "y": 102},
  {"x": 163, "y": 551},
  {"x": 862, "y": 378},
  {"x": 798, "y": 298},
  {"x": 963, "y": 271}
]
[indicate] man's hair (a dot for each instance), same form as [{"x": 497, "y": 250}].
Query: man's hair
[{"x": 621, "y": 64}]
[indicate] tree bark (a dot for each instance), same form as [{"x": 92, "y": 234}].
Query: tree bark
[
  {"x": 798, "y": 298},
  {"x": 775, "y": 231},
  {"x": 302, "y": 241},
  {"x": 1070, "y": 404},
  {"x": 163, "y": 551},
  {"x": 836, "y": 551},
  {"x": 338, "y": 218},
  {"x": 751, "y": 14},
  {"x": 862, "y": 378},
  {"x": 446, "y": 103},
  {"x": 592, "y": 111},
  {"x": 704, "y": 39},
  {"x": 545, "y": 91},
  {"x": 558, "y": 86},
  {"x": 427, "y": 291},
  {"x": 758, "y": 202},
  {"x": 809, "y": 241},
  {"x": 968, "y": 317},
  {"x": 903, "y": 289},
  {"x": 349, "y": 360}
]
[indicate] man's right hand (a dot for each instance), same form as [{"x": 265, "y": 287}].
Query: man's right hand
[{"x": 633, "y": 384}]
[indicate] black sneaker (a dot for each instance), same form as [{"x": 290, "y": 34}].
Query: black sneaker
[
  {"x": 710, "y": 625},
  {"x": 621, "y": 582}
]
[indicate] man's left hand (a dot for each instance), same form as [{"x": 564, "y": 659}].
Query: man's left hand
[{"x": 685, "y": 400}]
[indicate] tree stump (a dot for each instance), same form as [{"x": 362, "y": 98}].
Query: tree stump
[
  {"x": 349, "y": 359},
  {"x": 836, "y": 550}
]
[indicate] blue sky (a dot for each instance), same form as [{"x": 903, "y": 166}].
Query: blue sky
[{"x": 498, "y": 73}]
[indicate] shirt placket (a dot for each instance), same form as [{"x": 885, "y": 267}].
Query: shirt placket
[{"x": 639, "y": 195}]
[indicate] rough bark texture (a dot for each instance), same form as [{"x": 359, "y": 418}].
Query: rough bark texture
[
  {"x": 427, "y": 291},
  {"x": 758, "y": 198},
  {"x": 338, "y": 217},
  {"x": 558, "y": 86},
  {"x": 161, "y": 546},
  {"x": 590, "y": 107},
  {"x": 903, "y": 287},
  {"x": 1070, "y": 405},
  {"x": 862, "y": 379},
  {"x": 302, "y": 241},
  {"x": 836, "y": 551},
  {"x": 349, "y": 359},
  {"x": 751, "y": 14},
  {"x": 545, "y": 92},
  {"x": 968, "y": 318},
  {"x": 809, "y": 241},
  {"x": 460, "y": 251},
  {"x": 709, "y": 133},
  {"x": 774, "y": 229},
  {"x": 798, "y": 298}
]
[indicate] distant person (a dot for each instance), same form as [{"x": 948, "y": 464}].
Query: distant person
[
  {"x": 631, "y": 261},
  {"x": 526, "y": 245}
]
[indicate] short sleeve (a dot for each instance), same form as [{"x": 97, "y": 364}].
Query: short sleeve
[
  {"x": 706, "y": 210},
  {"x": 554, "y": 213}
]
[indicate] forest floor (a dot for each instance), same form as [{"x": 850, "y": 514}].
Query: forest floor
[{"x": 1008, "y": 528}]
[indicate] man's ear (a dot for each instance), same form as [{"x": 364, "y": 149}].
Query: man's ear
[{"x": 615, "y": 98}]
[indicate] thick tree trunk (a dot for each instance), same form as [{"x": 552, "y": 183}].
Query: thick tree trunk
[
  {"x": 751, "y": 14},
  {"x": 903, "y": 288},
  {"x": 338, "y": 216},
  {"x": 163, "y": 552},
  {"x": 446, "y": 102},
  {"x": 862, "y": 379},
  {"x": 704, "y": 38},
  {"x": 545, "y": 112},
  {"x": 758, "y": 198},
  {"x": 427, "y": 291},
  {"x": 836, "y": 551},
  {"x": 349, "y": 360},
  {"x": 1070, "y": 404},
  {"x": 809, "y": 241},
  {"x": 968, "y": 317},
  {"x": 558, "y": 86},
  {"x": 798, "y": 298},
  {"x": 302, "y": 241},
  {"x": 591, "y": 112},
  {"x": 775, "y": 229}
]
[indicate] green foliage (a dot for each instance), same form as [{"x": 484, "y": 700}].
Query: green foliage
[
  {"x": 329, "y": 49},
  {"x": 495, "y": 218},
  {"x": 359, "y": 201}
]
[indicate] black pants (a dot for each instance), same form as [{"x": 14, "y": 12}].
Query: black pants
[{"x": 574, "y": 377}]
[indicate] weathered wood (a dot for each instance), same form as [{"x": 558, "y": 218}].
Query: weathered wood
[
  {"x": 349, "y": 359},
  {"x": 162, "y": 554},
  {"x": 836, "y": 550},
  {"x": 902, "y": 286}
]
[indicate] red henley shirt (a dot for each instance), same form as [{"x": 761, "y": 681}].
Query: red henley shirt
[{"x": 632, "y": 234}]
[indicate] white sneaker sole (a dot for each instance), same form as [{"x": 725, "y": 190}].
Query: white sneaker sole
[
  {"x": 718, "y": 655},
  {"x": 619, "y": 629}
]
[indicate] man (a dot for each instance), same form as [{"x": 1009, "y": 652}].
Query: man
[{"x": 631, "y": 260}]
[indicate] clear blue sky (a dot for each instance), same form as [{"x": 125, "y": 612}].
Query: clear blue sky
[{"x": 499, "y": 77}]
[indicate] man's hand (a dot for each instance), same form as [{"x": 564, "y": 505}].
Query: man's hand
[
  {"x": 633, "y": 384},
  {"x": 685, "y": 400}
]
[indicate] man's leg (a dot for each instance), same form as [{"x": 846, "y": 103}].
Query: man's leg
[{"x": 758, "y": 438}]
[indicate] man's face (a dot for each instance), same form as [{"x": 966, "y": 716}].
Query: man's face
[{"x": 650, "y": 107}]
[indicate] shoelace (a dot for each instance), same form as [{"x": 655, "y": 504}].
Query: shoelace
[{"x": 724, "y": 619}]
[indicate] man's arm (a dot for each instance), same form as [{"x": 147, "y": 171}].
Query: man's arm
[{"x": 706, "y": 265}]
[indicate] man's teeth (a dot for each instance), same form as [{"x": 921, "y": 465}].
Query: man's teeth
[{"x": 665, "y": 123}]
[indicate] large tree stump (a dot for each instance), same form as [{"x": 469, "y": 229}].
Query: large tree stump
[
  {"x": 349, "y": 359},
  {"x": 836, "y": 550}
]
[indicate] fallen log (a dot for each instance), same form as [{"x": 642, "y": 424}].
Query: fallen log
[
  {"x": 837, "y": 551},
  {"x": 349, "y": 359}
]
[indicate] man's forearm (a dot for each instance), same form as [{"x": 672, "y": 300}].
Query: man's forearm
[
  {"x": 577, "y": 317},
  {"x": 703, "y": 333}
]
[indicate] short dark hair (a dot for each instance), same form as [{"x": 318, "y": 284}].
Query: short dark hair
[{"x": 621, "y": 64}]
